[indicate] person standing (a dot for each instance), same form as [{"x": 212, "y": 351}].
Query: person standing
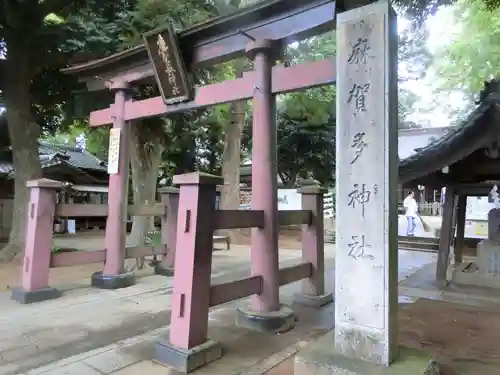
[{"x": 411, "y": 212}]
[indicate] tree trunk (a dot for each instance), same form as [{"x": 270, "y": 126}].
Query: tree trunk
[
  {"x": 24, "y": 139},
  {"x": 145, "y": 157},
  {"x": 231, "y": 157}
]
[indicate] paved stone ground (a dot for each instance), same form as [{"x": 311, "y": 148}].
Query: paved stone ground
[
  {"x": 89, "y": 318},
  {"x": 85, "y": 319},
  {"x": 92, "y": 331}
]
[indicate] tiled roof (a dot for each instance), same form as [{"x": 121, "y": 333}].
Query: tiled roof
[
  {"x": 76, "y": 157},
  {"x": 477, "y": 131},
  {"x": 52, "y": 154},
  {"x": 411, "y": 141}
]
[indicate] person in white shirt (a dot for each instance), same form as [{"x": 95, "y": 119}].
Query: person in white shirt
[{"x": 411, "y": 212}]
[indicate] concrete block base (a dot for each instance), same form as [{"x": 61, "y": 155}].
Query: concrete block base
[
  {"x": 163, "y": 271},
  {"x": 466, "y": 274},
  {"x": 313, "y": 301},
  {"x": 186, "y": 361},
  {"x": 319, "y": 358},
  {"x": 123, "y": 280},
  {"x": 22, "y": 296},
  {"x": 275, "y": 321}
]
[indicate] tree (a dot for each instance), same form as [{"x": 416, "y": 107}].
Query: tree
[
  {"x": 306, "y": 147},
  {"x": 145, "y": 150},
  {"x": 473, "y": 54},
  {"x": 234, "y": 127},
  {"x": 406, "y": 104},
  {"x": 34, "y": 37},
  {"x": 38, "y": 38},
  {"x": 419, "y": 10},
  {"x": 306, "y": 120},
  {"x": 414, "y": 59}
]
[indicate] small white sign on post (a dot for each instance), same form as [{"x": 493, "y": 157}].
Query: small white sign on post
[
  {"x": 72, "y": 226},
  {"x": 114, "y": 151},
  {"x": 289, "y": 199}
]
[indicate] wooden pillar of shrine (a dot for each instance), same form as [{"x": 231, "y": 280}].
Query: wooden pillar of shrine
[
  {"x": 188, "y": 347},
  {"x": 170, "y": 197},
  {"x": 266, "y": 313},
  {"x": 38, "y": 244},
  {"x": 460, "y": 235},
  {"x": 113, "y": 275},
  {"x": 446, "y": 237}
]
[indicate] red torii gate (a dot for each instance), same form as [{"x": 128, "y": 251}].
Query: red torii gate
[
  {"x": 258, "y": 32},
  {"x": 364, "y": 340},
  {"x": 215, "y": 41}
]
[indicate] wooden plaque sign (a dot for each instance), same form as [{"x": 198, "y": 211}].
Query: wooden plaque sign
[{"x": 170, "y": 70}]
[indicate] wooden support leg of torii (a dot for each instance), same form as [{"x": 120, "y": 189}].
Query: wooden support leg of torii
[
  {"x": 170, "y": 197},
  {"x": 113, "y": 275},
  {"x": 265, "y": 313},
  {"x": 446, "y": 237}
]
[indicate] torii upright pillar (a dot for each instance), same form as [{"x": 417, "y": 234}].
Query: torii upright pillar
[
  {"x": 113, "y": 275},
  {"x": 266, "y": 313}
]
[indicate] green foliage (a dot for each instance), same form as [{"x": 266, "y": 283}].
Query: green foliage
[
  {"x": 414, "y": 59},
  {"x": 153, "y": 238},
  {"x": 473, "y": 54},
  {"x": 306, "y": 134},
  {"x": 419, "y": 10},
  {"x": 86, "y": 30},
  {"x": 194, "y": 142},
  {"x": 414, "y": 56},
  {"x": 406, "y": 104},
  {"x": 59, "y": 32},
  {"x": 77, "y": 133},
  {"x": 312, "y": 49},
  {"x": 306, "y": 120},
  {"x": 150, "y": 14}
]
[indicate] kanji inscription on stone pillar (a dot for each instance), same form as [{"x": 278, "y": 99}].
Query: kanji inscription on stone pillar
[{"x": 366, "y": 260}]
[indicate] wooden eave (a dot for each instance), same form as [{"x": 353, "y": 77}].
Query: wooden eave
[
  {"x": 218, "y": 40},
  {"x": 80, "y": 176},
  {"x": 478, "y": 131}
]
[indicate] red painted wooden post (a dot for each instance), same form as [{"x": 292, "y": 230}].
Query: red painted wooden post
[
  {"x": 113, "y": 275},
  {"x": 170, "y": 197},
  {"x": 313, "y": 247},
  {"x": 266, "y": 314},
  {"x": 188, "y": 347},
  {"x": 38, "y": 246}
]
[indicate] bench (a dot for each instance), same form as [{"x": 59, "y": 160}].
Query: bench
[{"x": 225, "y": 239}]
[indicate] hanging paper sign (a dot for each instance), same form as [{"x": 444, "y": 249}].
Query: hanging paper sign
[
  {"x": 170, "y": 71},
  {"x": 114, "y": 151}
]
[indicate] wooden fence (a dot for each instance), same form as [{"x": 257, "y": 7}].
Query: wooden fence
[{"x": 430, "y": 209}]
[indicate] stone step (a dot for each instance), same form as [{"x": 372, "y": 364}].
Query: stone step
[
  {"x": 424, "y": 243},
  {"x": 418, "y": 245},
  {"x": 420, "y": 249},
  {"x": 431, "y": 240}
]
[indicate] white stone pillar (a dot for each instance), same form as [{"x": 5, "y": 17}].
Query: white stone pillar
[
  {"x": 366, "y": 270},
  {"x": 366, "y": 263}
]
